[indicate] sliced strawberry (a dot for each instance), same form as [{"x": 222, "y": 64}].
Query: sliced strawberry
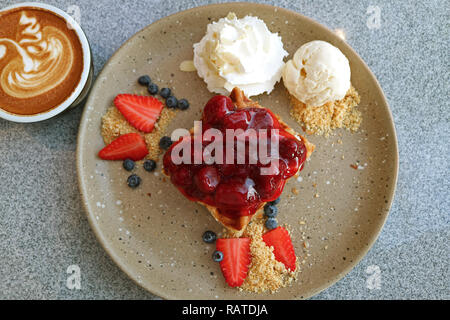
[
  {"x": 140, "y": 111},
  {"x": 128, "y": 146},
  {"x": 236, "y": 258},
  {"x": 283, "y": 249}
]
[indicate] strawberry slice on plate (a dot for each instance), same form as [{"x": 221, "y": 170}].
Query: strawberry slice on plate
[
  {"x": 283, "y": 249},
  {"x": 141, "y": 112},
  {"x": 236, "y": 259},
  {"x": 128, "y": 146}
]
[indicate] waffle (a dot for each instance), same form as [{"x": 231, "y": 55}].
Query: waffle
[{"x": 237, "y": 225}]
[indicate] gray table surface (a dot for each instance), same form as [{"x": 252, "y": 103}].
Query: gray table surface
[{"x": 43, "y": 228}]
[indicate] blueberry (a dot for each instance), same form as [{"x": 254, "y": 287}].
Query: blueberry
[
  {"x": 134, "y": 181},
  {"x": 217, "y": 256},
  {"x": 276, "y": 201},
  {"x": 149, "y": 165},
  {"x": 144, "y": 80},
  {"x": 128, "y": 164},
  {"x": 165, "y": 142},
  {"x": 165, "y": 93},
  {"x": 152, "y": 89},
  {"x": 271, "y": 223},
  {"x": 209, "y": 237},
  {"x": 270, "y": 211},
  {"x": 183, "y": 104},
  {"x": 171, "y": 102}
]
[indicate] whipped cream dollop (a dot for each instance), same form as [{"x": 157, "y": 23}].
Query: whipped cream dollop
[
  {"x": 318, "y": 73},
  {"x": 239, "y": 53}
]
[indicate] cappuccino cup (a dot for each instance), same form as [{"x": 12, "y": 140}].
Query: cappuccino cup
[{"x": 45, "y": 62}]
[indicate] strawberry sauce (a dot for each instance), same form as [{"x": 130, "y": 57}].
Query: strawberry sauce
[{"x": 236, "y": 189}]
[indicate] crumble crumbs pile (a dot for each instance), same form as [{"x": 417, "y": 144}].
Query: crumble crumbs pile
[
  {"x": 332, "y": 115},
  {"x": 114, "y": 125},
  {"x": 265, "y": 273}
]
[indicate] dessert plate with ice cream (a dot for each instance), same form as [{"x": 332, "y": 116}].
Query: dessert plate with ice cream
[{"x": 220, "y": 230}]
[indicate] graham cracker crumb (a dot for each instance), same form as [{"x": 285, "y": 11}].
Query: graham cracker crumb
[
  {"x": 265, "y": 273},
  {"x": 114, "y": 125},
  {"x": 324, "y": 119}
]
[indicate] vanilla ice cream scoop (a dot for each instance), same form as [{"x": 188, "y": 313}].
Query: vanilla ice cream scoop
[
  {"x": 239, "y": 53},
  {"x": 318, "y": 73}
]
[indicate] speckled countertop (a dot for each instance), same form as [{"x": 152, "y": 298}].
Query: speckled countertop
[{"x": 43, "y": 229}]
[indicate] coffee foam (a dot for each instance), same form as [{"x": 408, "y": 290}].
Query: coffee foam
[{"x": 44, "y": 59}]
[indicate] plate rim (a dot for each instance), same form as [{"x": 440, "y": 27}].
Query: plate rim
[{"x": 82, "y": 189}]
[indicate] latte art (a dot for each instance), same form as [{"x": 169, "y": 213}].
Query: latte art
[
  {"x": 2, "y": 51},
  {"x": 44, "y": 58},
  {"x": 41, "y": 60}
]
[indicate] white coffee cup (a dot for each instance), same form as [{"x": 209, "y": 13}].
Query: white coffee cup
[{"x": 85, "y": 82}]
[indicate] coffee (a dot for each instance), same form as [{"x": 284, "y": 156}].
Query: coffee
[{"x": 41, "y": 60}]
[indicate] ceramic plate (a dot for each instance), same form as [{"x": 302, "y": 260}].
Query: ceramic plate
[{"x": 155, "y": 235}]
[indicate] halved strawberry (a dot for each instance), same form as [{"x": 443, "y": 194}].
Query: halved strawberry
[
  {"x": 140, "y": 111},
  {"x": 128, "y": 146},
  {"x": 236, "y": 258},
  {"x": 283, "y": 249}
]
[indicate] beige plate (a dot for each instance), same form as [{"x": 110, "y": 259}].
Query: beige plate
[{"x": 154, "y": 234}]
